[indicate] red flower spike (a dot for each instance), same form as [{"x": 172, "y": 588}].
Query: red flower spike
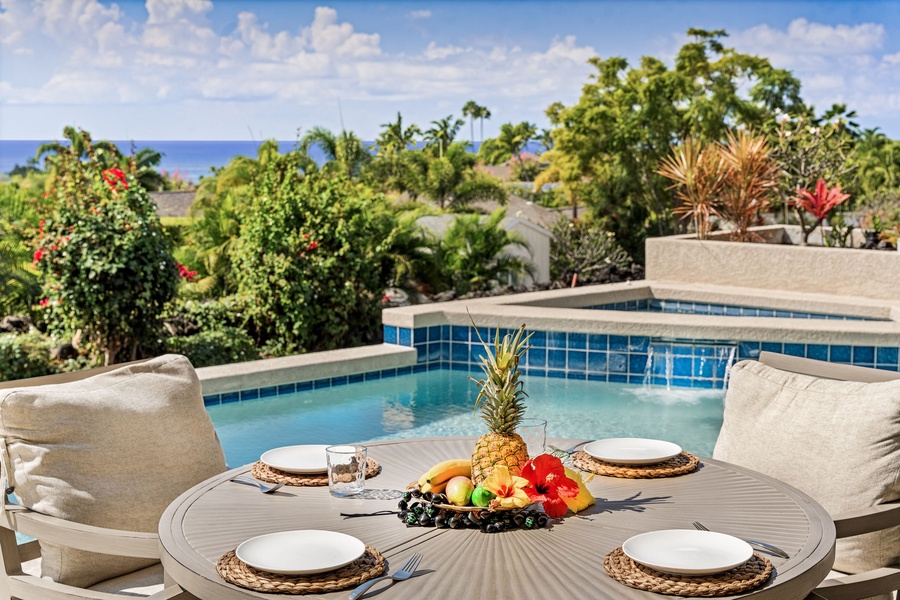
[
  {"x": 822, "y": 202},
  {"x": 548, "y": 484}
]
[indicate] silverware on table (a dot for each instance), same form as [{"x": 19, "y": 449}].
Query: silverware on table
[
  {"x": 761, "y": 545},
  {"x": 404, "y": 572},
  {"x": 265, "y": 489}
]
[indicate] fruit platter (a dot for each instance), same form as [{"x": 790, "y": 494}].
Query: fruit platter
[{"x": 499, "y": 487}]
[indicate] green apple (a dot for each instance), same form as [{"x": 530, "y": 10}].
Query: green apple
[
  {"x": 481, "y": 497},
  {"x": 459, "y": 490}
]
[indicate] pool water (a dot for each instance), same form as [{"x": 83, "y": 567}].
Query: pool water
[{"x": 440, "y": 403}]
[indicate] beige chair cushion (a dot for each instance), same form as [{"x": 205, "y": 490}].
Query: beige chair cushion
[
  {"x": 112, "y": 450},
  {"x": 837, "y": 441}
]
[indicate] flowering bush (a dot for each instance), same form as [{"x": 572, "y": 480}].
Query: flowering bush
[
  {"x": 106, "y": 264},
  {"x": 311, "y": 260}
]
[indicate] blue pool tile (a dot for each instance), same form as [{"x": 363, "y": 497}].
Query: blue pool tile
[
  {"x": 703, "y": 367},
  {"x": 682, "y": 366},
  {"x": 459, "y": 366},
  {"x": 556, "y": 359},
  {"x": 420, "y": 335},
  {"x": 776, "y": 347},
  {"x": 318, "y": 384},
  {"x": 638, "y": 343},
  {"x": 229, "y": 397},
  {"x": 887, "y": 356},
  {"x": 419, "y": 368},
  {"x": 476, "y": 352},
  {"x": 390, "y": 334},
  {"x": 211, "y": 400},
  {"x": 536, "y": 372},
  {"x": 288, "y": 388},
  {"x": 460, "y": 334},
  {"x": 435, "y": 333},
  {"x": 618, "y": 343},
  {"x": 556, "y": 374},
  {"x": 404, "y": 336},
  {"x": 538, "y": 339},
  {"x": 598, "y": 342},
  {"x": 795, "y": 349},
  {"x": 578, "y": 341},
  {"x": 356, "y": 377},
  {"x": 817, "y": 351},
  {"x": 617, "y": 378},
  {"x": 422, "y": 353},
  {"x": 748, "y": 350},
  {"x": 636, "y": 379},
  {"x": 637, "y": 364},
  {"x": 339, "y": 380},
  {"x": 437, "y": 366},
  {"x": 388, "y": 373},
  {"x": 459, "y": 352},
  {"x": 577, "y": 360},
  {"x": 596, "y": 376},
  {"x": 765, "y": 312},
  {"x": 404, "y": 370},
  {"x": 302, "y": 386},
  {"x": 866, "y": 365},
  {"x": 841, "y": 354},
  {"x": 579, "y": 375},
  {"x": 597, "y": 362},
  {"x": 445, "y": 350},
  {"x": 373, "y": 375},
  {"x": 250, "y": 394},
  {"x": 732, "y": 311},
  {"x": 682, "y": 349},
  {"x": 268, "y": 392},
  {"x": 536, "y": 357},
  {"x": 863, "y": 355},
  {"x": 617, "y": 362},
  {"x": 682, "y": 381},
  {"x": 656, "y": 380},
  {"x": 716, "y": 309},
  {"x": 434, "y": 351},
  {"x": 703, "y": 383},
  {"x": 445, "y": 332},
  {"x": 783, "y": 314},
  {"x": 556, "y": 339}
]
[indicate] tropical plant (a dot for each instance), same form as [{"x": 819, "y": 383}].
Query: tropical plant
[
  {"x": 395, "y": 138},
  {"x": 25, "y": 355},
  {"x": 214, "y": 347},
  {"x": 442, "y": 133},
  {"x": 584, "y": 253},
  {"x": 698, "y": 174},
  {"x": 450, "y": 180},
  {"x": 106, "y": 262},
  {"x": 18, "y": 278},
  {"x": 307, "y": 261},
  {"x": 473, "y": 110},
  {"x": 750, "y": 182},
  {"x": 819, "y": 204},
  {"x": 473, "y": 254},
  {"x": 345, "y": 153},
  {"x": 511, "y": 142}
]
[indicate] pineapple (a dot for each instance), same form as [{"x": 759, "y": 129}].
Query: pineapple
[{"x": 501, "y": 401}]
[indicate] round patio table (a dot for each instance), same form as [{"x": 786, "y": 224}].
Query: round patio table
[{"x": 563, "y": 561}]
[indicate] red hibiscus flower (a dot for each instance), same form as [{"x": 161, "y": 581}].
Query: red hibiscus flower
[
  {"x": 548, "y": 484},
  {"x": 38, "y": 255},
  {"x": 312, "y": 246}
]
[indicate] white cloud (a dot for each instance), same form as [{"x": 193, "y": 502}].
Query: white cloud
[
  {"x": 420, "y": 14},
  {"x": 435, "y": 52},
  {"x": 327, "y": 36},
  {"x": 802, "y": 39}
]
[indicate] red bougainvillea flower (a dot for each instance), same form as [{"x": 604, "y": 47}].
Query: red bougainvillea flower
[
  {"x": 114, "y": 178},
  {"x": 38, "y": 255},
  {"x": 549, "y": 484},
  {"x": 186, "y": 273},
  {"x": 44, "y": 302},
  {"x": 823, "y": 201},
  {"x": 312, "y": 246}
]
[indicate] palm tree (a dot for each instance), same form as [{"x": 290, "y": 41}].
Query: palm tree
[
  {"x": 344, "y": 153},
  {"x": 511, "y": 142},
  {"x": 483, "y": 113},
  {"x": 451, "y": 180},
  {"x": 395, "y": 138},
  {"x": 473, "y": 110},
  {"x": 443, "y": 133}
]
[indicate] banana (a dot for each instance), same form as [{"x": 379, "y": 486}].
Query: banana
[
  {"x": 437, "y": 488},
  {"x": 446, "y": 470}
]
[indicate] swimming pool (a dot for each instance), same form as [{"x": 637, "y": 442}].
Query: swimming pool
[{"x": 440, "y": 403}]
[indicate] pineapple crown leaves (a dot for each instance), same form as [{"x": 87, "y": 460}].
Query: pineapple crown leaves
[{"x": 501, "y": 368}]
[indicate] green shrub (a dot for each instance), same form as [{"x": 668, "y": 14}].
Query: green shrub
[
  {"x": 309, "y": 259},
  {"x": 25, "y": 355},
  {"x": 215, "y": 347}
]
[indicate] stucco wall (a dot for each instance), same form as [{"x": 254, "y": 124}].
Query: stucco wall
[{"x": 842, "y": 271}]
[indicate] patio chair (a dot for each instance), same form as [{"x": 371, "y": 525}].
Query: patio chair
[
  {"x": 832, "y": 431},
  {"x": 93, "y": 459}
]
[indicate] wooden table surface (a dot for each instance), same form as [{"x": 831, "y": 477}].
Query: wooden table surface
[{"x": 564, "y": 561}]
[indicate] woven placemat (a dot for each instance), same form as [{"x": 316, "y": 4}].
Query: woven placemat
[
  {"x": 233, "y": 570},
  {"x": 751, "y": 574},
  {"x": 678, "y": 465},
  {"x": 264, "y": 472}
]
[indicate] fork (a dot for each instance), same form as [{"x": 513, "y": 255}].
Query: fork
[
  {"x": 263, "y": 488},
  {"x": 761, "y": 545},
  {"x": 404, "y": 572}
]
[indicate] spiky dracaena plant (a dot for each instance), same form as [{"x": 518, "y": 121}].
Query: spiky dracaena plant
[
  {"x": 697, "y": 173},
  {"x": 751, "y": 181},
  {"x": 501, "y": 400}
]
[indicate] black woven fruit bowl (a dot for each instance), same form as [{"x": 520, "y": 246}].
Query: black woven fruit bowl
[{"x": 418, "y": 509}]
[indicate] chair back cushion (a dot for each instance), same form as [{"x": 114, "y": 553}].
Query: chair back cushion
[
  {"x": 110, "y": 450},
  {"x": 837, "y": 441}
]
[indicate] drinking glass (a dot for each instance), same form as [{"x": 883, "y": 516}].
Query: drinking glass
[
  {"x": 534, "y": 432},
  {"x": 346, "y": 469}
]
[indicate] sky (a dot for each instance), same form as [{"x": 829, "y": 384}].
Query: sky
[{"x": 252, "y": 70}]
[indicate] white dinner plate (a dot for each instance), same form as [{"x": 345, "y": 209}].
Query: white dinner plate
[
  {"x": 301, "y": 552},
  {"x": 632, "y": 451},
  {"x": 687, "y": 551},
  {"x": 297, "y": 459}
]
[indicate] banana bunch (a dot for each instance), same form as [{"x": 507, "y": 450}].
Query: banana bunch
[{"x": 436, "y": 478}]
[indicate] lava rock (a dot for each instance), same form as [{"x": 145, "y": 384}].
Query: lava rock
[{"x": 16, "y": 324}]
